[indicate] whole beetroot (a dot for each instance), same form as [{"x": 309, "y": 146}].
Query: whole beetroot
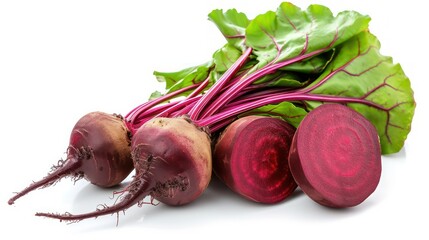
[{"x": 99, "y": 151}]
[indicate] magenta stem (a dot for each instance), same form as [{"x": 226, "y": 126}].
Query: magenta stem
[
  {"x": 214, "y": 120},
  {"x": 199, "y": 106},
  {"x": 232, "y": 92},
  {"x": 145, "y": 106}
]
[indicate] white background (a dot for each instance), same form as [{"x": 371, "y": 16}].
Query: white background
[{"x": 62, "y": 59}]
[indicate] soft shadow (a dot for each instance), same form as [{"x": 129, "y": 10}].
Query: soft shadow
[
  {"x": 90, "y": 196},
  {"x": 304, "y": 209},
  {"x": 216, "y": 204}
]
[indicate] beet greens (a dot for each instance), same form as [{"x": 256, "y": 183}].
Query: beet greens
[{"x": 298, "y": 59}]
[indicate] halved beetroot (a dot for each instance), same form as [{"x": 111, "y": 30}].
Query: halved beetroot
[
  {"x": 251, "y": 158},
  {"x": 335, "y": 156}
]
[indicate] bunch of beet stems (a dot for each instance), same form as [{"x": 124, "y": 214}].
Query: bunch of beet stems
[{"x": 233, "y": 94}]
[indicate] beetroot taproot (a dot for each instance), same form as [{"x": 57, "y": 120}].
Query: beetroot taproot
[
  {"x": 335, "y": 156},
  {"x": 251, "y": 158},
  {"x": 173, "y": 163},
  {"x": 99, "y": 151}
]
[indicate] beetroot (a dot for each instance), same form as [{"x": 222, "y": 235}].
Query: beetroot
[
  {"x": 99, "y": 151},
  {"x": 251, "y": 158},
  {"x": 335, "y": 156},
  {"x": 173, "y": 163}
]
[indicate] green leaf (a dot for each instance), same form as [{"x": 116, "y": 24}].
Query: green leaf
[
  {"x": 232, "y": 24},
  {"x": 291, "y": 32},
  {"x": 284, "y": 110},
  {"x": 371, "y": 84},
  {"x": 225, "y": 57},
  {"x": 186, "y": 77},
  {"x": 314, "y": 65},
  {"x": 155, "y": 95},
  {"x": 284, "y": 79},
  {"x": 298, "y": 74}
]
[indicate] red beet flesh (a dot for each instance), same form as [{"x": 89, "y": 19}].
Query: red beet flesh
[
  {"x": 99, "y": 151},
  {"x": 251, "y": 158},
  {"x": 172, "y": 158},
  {"x": 335, "y": 156}
]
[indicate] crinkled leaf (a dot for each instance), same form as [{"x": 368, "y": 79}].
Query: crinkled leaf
[
  {"x": 287, "y": 82},
  {"x": 298, "y": 74},
  {"x": 184, "y": 78},
  {"x": 284, "y": 79},
  {"x": 373, "y": 85},
  {"x": 284, "y": 110},
  {"x": 292, "y": 32},
  {"x": 314, "y": 65},
  {"x": 232, "y": 24}
]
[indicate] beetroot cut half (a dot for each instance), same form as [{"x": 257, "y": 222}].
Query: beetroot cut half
[
  {"x": 335, "y": 156},
  {"x": 251, "y": 158}
]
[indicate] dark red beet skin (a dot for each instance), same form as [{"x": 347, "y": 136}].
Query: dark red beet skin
[
  {"x": 335, "y": 156},
  {"x": 177, "y": 156},
  {"x": 173, "y": 163},
  {"x": 108, "y": 145},
  {"x": 99, "y": 151},
  {"x": 251, "y": 158}
]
